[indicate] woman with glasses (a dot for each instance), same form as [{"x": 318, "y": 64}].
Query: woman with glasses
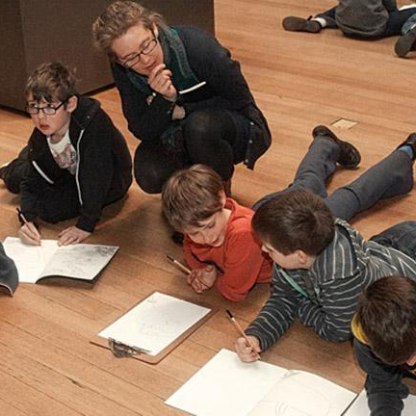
[
  {"x": 76, "y": 160},
  {"x": 182, "y": 94}
]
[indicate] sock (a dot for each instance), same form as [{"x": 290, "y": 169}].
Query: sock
[
  {"x": 408, "y": 150},
  {"x": 320, "y": 20}
]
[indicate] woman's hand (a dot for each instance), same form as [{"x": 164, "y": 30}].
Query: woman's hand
[{"x": 160, "y": 81}]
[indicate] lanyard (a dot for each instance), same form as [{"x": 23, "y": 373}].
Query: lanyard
[{"x": 294, "y": 284}]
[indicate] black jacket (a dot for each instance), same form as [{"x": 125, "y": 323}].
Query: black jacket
[
  {"x": 384, "y": 385},
  {"x": 225, "y": 88},
  {"x": 104, "y": 171}
]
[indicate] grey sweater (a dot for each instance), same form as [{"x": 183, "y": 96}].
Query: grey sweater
[{"x": 331, "y": 287}]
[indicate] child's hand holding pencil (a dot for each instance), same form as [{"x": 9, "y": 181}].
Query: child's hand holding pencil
[
  {"x": 28, "y": 232},
  {"x": 247, "y": 346}
]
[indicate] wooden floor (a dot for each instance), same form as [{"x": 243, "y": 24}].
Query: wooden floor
[{"x": 299, "y": 80}]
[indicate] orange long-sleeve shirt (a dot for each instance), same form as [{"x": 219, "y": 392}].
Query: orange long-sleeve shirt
[{"x": 239, "y": 260}]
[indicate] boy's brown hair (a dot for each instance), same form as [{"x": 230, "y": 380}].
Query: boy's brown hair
[
  {"x": 51, "y": 81},
  {"x": 387, "y": 314},
  {"x": 295, "y": 220},
  {"x": 192, "y": 195},
  {"x": 117, "y": 19}
]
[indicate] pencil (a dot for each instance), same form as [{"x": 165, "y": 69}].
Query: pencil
[
  {"x": 21, "y": 216},
  {"x": 179, "y": 264},
  {"x": 184, "y": 268},
  {"x": 239, "y": 329}
]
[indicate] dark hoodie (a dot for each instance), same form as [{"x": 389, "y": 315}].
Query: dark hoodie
[{"x": 103, "y": 175}]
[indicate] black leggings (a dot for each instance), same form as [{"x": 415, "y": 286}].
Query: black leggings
[{"x": 214, "y": 138}]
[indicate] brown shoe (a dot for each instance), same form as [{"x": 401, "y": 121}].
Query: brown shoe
[
  {"x": 299, "y": 24},
  {"x": 349, "y": 156}
]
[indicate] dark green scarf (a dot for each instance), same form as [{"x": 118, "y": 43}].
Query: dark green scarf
[{"x": 174, "y": 58}]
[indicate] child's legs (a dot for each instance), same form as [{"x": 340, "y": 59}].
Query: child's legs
[
  {"x": 16, "y": 171},
  {"x": 410, "y": 23},
  {"x": 396, "y": 21},
  {"x": 391, "y": 177},
  {"x": 316, "y": 167},
  {"x": 401, "y": 236},
  {"x": 58, "y": 203}
]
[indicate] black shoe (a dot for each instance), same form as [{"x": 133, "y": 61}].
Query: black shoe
[
  {"x": 410, "y": 141},
  {"x": 178, "y": 238},
  {"x": 349, "y": 156},
  {"x": 406, "y": 43},
  {"x": 299, "y": 24},
  {"x": 3, "y": 171}
]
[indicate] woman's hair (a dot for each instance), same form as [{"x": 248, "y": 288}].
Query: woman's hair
[
  {"x": 117, "y": 19},
  {"x": 295, "y": 220},
  {"x": 387, "y": 314},
  {"x": 192, "y": 195},
  {"x": 51, "y": 81}
]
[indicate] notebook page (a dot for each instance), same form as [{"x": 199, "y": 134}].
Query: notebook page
[
  {"x": 300, "y": 393},
  {"x": 30, "y": 260},
  {"x": 225, "y": 386}
]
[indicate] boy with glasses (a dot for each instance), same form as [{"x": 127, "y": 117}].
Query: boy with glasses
[
  {"x": 76, "y": 160},
  {"x": 182, "y": 94}
]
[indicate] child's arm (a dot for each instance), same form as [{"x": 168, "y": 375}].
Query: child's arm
[
  {"x": 277, "y": 314},
  {"x": 384, "y": 386},
  {"x": 331, "y": 317},
  {"x": 243, "y": 264}
]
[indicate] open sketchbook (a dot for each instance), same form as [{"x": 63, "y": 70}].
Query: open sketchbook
[
  {"x": 49, "y": 261},
  {"x": 225, "y": 386},
  {"x": 153, "y": 327},
  {"x": 360, "y": 406}
]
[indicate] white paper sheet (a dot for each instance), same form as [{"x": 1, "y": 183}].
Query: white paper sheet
[
  {"x": 155, "y": 323},
  {"x": 225, "y": 386}
]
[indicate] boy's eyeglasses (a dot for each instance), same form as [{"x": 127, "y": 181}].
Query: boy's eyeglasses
[
  {"x": 147, "y": 50},
  {"x": 48, "y": 109}
]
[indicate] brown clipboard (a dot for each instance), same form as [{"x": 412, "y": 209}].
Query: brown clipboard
[{"x": 121, "y": 350}]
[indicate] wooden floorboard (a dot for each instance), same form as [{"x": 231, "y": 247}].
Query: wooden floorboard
[{"x": 299, "y": 80}]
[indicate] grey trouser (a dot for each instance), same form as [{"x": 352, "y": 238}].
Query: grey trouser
[{"x": 390, "y": 177}]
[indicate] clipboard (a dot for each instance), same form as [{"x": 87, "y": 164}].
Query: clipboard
[{"x": 153, "y": 327}]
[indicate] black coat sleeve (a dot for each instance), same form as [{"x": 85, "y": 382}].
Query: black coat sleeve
[{"x": 384, "y": 386}]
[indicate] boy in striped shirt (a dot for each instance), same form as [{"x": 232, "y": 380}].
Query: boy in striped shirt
[{"x": 321, "y": 267}]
